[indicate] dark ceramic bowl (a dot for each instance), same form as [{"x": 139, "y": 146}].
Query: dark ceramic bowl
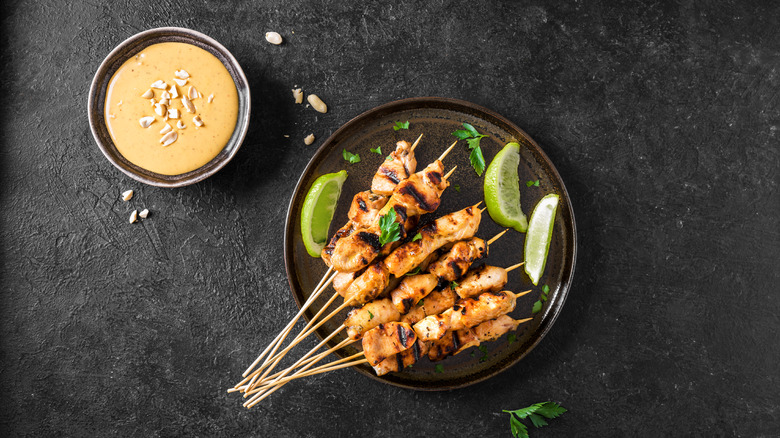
[
  {"x": 129, "y": 48},
  {"x": 437, "y": 118}
]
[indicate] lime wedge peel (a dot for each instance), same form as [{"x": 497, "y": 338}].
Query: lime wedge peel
[
  {"x": 318, "y": 208},
  {"x": 502, "y": 189},
  {"x": 537, "y": 240}
]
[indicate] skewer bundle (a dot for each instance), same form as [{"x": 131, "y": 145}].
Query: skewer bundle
[{"x": 420, "y": 316}]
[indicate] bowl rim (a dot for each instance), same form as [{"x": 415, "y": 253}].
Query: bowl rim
[{"x": 196, "y": 175}]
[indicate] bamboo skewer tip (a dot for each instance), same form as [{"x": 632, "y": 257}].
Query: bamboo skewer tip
[
  {"x": 446, "y": 152},
  {"x": 497, "y": 236},
  {"x": 416, "y": 142},
  {"x": 447, "y": 176},
  {"x": 513, "y": 267}
]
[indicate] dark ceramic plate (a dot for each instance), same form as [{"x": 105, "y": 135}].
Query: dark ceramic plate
[
  {"x": 129, "y": 48},
  {"x": 437, "y": 118}
]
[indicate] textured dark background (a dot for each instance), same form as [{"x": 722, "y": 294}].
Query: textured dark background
[{"x": 661, "y": 118}]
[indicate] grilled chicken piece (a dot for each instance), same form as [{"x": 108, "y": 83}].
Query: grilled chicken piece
[
  {"x": 418, "y": 194},
  {"x": 362, "y": 213},
  {"x": 343, "y": 280},
  {"x": 402, "y": 360},
  {"x": 466, "y": 313},
  {"x": 495, "y": 328},
  {"x": 395, "y": 169},
  {"x": 452, "y": 343},
  {"x": 456, "y": 341},
  {"x": 458, "y": 260},
  {"x": 446, "y": 229},
  {"x": 368, "y": 285},
  {"x": 421, "y": 192},
  {"x": 369, "y": 316},
  {"x": 386, "y": 340},
  {"x": 411, "y": 290},
  {"x": 484, "y": 279},
  {"x": 435, "y": 303}
]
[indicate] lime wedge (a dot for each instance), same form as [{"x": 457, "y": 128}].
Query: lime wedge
[
  {"x": 502, "y": 190},
  {"x": 537, "y": 240},
  {"x": 318, "y": 208}
]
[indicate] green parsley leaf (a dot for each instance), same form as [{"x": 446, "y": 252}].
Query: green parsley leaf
[
  {"x": 399, "y": 125},
  {"x": 471, "y": 130},
  {"x": 532, "y": 183},
  {"x": 414, "y": 271},
  {"x": 483, "y": 349},
  {"x": 537, "y": 420},
  {"x": 370, "y": 315},
  {"x": 416, "y": 237},
  {"x": 462, "y": 134},
  {"x": 511, "y": 338},
  {"x": 457, "y": 187},
  {"x": 518, "y": 429},
  {"x": 453, "y": 285},
  {"x": 389, "y": 158},
  {"x": 546, "y": 289},
  {"x": 477, "y": 161},
  {"x": 376, "y": 150},
  {"x": 348, "y": 156},
  {"x": 473, "y": 353},
  {"x": 439, "y": 368},
  {"x": 537, "y": 307},
  {"x": 550, "y": 410},
  {"x": 474, "y": 142},
  {"x": 525, "y": 412},
  {"x": 390, "y": 229},
  {"x": 421, "y": 303}
]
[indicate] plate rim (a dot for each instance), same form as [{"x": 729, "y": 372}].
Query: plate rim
[{"x": 547, "y": 320}]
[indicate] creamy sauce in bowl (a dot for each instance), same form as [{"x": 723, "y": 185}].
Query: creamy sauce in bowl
[{"x": 197, "y": 134}]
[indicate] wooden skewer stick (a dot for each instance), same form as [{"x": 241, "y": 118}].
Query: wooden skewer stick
[
  {"x": 266, "y": 382},
  {"x": 316, "y": 358},
  {"x": 250, "y": 403},
  {"x": 303, "y": 335},
  {"x": 268, "y": 362},
  {"x": 324, "y": 341},
  {"x": 327, "y": 367},
  {"x": 518, "y": 295},
  {"x": 514, "y": 266},
  {"x": 445, "y": 153},
  {"x": 416, "y": 142},
  {"x": 280, "y": 337},
  {"x": 496, "y": 237},
  {"x": 447, "y": 176},
  {"x": 305, "y": 364}
]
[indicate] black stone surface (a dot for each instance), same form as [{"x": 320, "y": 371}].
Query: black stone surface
[{"x": 662, "y": 119}]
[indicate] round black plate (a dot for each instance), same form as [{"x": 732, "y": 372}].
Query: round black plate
[{"x": 437, "y": 118}]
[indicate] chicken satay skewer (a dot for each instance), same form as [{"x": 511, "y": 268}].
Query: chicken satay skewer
[
  {"x": 385, "y": 310},
  {"x": 392, "y": 315},
  {"x": 488, "y": 330},
  {"x": 308, "y": 329}
]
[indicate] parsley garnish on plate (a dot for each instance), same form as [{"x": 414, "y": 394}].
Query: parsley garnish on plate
[
  {"x": 472, "y": 137},
  {"x": 370, "y": 315},
  {"x": 398, "y": 125},
  {"x": 457, "y": 187},
  {"x": 453, "y": 285},
  {"x": 536, "y": 413},
  {"x": 542, "y": 299},
  {"x": 389, "y": 158},
  {"x": 511, "y": 338},
  {"x": 390, "y": 229},
  {"x": 416, "y": 237},
  {"x": 439, "y": 368},
  {"x": 532, "y": 183},
  {"x": 349, "y": 156},
  {"x": 483, "y": 349},
  {"x": 376, "y": 150}
]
